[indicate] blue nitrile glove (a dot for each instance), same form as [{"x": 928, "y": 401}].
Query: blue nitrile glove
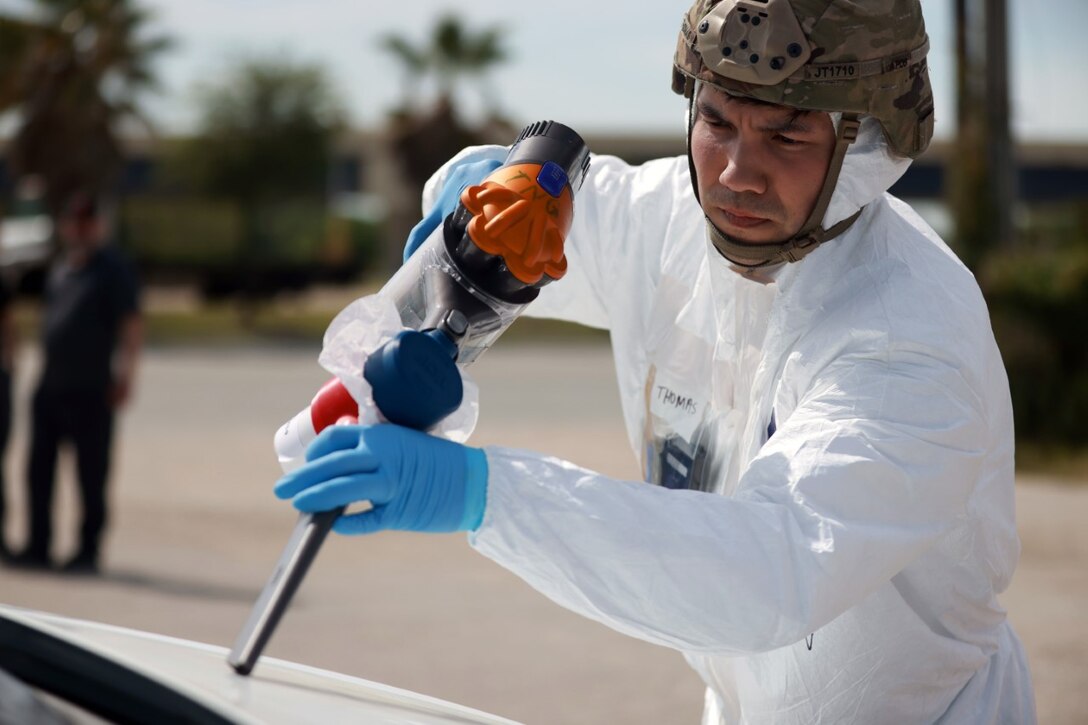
[
  {"x": 416, "y": 482},
  {"x": 459, "y": 178}
]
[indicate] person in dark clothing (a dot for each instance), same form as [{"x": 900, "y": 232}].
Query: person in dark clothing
[
  {"x": 91, "y": 332},
  {"x": 7, "y": 364}
]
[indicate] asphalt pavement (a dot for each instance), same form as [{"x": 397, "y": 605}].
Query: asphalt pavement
[{"x": 195, "y": 532}]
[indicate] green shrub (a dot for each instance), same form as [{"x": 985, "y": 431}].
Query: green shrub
[
  {"x": 200, "y": 238},
  {"x": 1039, "y": 307},
  {"x": 181, "y": 233},
  {"x": 290, "y": 234}
]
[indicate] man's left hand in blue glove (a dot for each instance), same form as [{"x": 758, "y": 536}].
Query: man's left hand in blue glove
[
  {"x": 415, "y": 482},
  {"x": 461, "y": 175}
]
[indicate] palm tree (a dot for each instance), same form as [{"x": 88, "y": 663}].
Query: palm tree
[
  {"x": 73, "y": 73},
  {"x": 421, "y": 138},
  {"x": 16, "y": 37},
  {"x": 458, "y": 52},
  {"x": 413, "y": 62},
  {"x": 451, "y": 53}
]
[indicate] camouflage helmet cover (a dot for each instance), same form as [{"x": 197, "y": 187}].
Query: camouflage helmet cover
[{"x": 824, "y": 55}]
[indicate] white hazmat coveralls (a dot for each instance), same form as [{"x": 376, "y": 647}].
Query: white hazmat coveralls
[{"x": 844, "y": 434}]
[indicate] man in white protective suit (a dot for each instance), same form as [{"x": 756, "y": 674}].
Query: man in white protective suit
[{"x": 807, "y": 372}]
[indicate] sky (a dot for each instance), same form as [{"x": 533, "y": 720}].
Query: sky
[{"x": 595, "y": 65}]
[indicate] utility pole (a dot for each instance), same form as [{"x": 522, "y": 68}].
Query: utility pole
[
  {"x": 981, "y": 172},
  {"x": 963, "y": 67},
  {"x": 999, "y": 150}
]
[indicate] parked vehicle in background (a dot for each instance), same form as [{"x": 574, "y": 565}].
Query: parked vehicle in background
[{"x": 26, "y": 230}]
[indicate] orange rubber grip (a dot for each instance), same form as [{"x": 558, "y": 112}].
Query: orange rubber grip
[{"x": 516, "y": 219}]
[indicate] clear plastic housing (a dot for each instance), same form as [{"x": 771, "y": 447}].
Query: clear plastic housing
[{"x": 430, "y": 285}]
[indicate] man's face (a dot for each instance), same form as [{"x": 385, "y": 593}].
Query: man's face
[{"x": 760, "y": 166}]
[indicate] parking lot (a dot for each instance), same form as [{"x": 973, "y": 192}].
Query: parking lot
[{"x": 196, "y": 531}]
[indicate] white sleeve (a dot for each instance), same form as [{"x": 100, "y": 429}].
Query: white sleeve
[
  {"x": 873, "y": 466},
  {"x": 622, "y": 216}
]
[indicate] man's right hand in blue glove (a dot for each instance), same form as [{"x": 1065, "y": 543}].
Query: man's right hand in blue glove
[
  {"x": 415, "y": 481},
  {"x": 460, "y": 177}
]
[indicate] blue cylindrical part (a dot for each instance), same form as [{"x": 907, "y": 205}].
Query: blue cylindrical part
[{"x": 414, "y": 378}]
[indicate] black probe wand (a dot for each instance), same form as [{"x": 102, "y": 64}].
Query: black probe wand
[
  {"x": 421, "y": 363},
  {"x": 294, "y": 562}
]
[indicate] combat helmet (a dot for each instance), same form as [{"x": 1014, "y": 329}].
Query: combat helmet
[{"x": 840, "y": 56}]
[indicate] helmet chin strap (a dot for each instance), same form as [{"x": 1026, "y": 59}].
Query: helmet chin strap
[{"x": 752, "y": 255}]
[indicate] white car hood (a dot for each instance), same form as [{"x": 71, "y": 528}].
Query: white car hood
[{"x": 276, "y": 692}]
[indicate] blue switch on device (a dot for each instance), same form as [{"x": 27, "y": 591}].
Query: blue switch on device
[{"x": 552, "y": 178}]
